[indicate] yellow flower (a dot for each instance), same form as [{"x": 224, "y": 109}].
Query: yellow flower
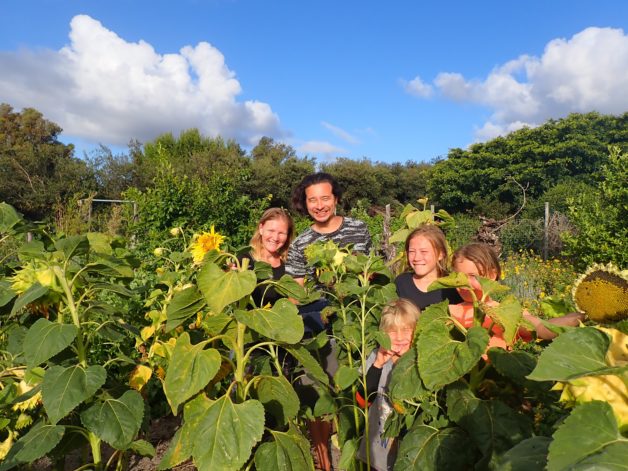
[
  {"x": 175, "y": 231},
  {"x": 158, "y": 252},
  {"x": 204, "y": 243}
]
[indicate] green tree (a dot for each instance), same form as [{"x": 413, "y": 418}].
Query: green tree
[
  {"x": 600, "y": 218},
  {"x": 573, "y": 147},
  {"x": 36, "y": 170},
  {"x": 275, "y": 170}
]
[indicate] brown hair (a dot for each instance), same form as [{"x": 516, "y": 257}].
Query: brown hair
[
  {"x": 484, "y": 257},
  {"x": 436, "y": 237},
  {"x": 298, "y": 194},
  {"x": 399, "y": 313},
  {"x": 269, "y": 215}
]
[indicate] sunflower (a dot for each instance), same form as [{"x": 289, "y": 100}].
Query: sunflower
[
  {"x": 204, "y": 243},
  {"x": 602, "y": 293}
]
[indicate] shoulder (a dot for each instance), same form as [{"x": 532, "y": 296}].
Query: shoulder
[
  {"x": 304, "y": 239},
  {"x": 353, "y": 223},
  {"x": 404, "y": 279}
]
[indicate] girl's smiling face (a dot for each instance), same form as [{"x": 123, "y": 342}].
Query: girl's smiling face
[{"x": 423, "y": 258}]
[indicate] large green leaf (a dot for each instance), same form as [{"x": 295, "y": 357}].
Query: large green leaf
[
  {"x": 278, "y": 397},
  {"x": 184, "y": 303},
  {"x": 345, "y": 376},
  {"x": 289, "y": 451},
  {"x": 287, "y": 286},
  {"x": 99, "y": 242},
  {"x": 443, "y": 360},
  {"x": 508, "y": 315},
  {"x": 32, "y": 294},
  {"x": 108, "y": 265},
  {"x": 576, "y": 353},
  {"x": 529, "y": 455},
  {"x": 225, "y": 436},
  {"x": 116, "y": 421},
  {"x": 189, "y": 371},
  {"x": 405, "y": 383},
  {"x": 65, "y": 388},
  {"x": 73, "y": 245},
  {"x": 6, "y": 293},
  {"x": 589, "y": 439},
  {"x": 426, "y": 448},
  {"x": 305, "y": 358},
  {"x": 281, "y": 322},
  {"x": 45, "y": 339},
  {"x": 453, "y": 280},
  {"x": 492, "y": 426},
  {"x": 35, "y": 444},
  {"x": 180, "y": 448},
  {"x": 9, "y": 217},
  {"x": 221, "y": 288}
]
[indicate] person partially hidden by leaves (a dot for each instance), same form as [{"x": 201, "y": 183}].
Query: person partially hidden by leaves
[
  {"x": 398, "y": 321},
  {"x": 317, "y": 196}
]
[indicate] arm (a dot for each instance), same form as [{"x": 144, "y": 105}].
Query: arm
[{"x": 542, "y": 332}]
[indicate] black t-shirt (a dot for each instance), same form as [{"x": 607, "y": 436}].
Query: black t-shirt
[
  {"x": 265, "y": 294},
  {"x": 407, "y": 289}
]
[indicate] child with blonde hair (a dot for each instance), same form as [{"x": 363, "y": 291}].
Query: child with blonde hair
[{"x": 398, "y": 320}]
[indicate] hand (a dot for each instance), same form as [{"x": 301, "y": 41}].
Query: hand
[{"x": 383, "y": 355}]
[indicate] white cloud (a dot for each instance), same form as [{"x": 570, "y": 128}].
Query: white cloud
[
  {"x": 105, "y": 89},
  {"x": 588, "y": 72},
  {"x": 341, "y": 133},
  {"x": 417, "y": 87},
  {"x": 320, "y": 148}
]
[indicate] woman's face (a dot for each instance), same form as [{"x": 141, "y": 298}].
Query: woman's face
[
  {"x": 467, "y": 267},
  {"x": 400, "y": 338},
  {"x": 274, "y": 233},
  {"x": 422, "y": 257},
  {"x": 320, "y": 202}
]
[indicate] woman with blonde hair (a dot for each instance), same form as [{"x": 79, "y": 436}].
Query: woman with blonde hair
[{"x": 269, "y": 244}]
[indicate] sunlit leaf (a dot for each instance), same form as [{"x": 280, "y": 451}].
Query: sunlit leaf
[
  {"x": 65, "y": 388},
  {"x": 221, "y": 288},
  {"x": 225, "y": 436},
  {"x": 508, "y": 315},
  {"x": 443, "y": 360},
  {"x": 281, "y": 322},
  {"x": 190, "y": 369},
  {"x": 589, "y": 439},
  {"x": 579, "y": 352},
  {"x": 31, "y": 295},
  {"x": 45, "y": 339},
  {"x": 73, "y": 245}
]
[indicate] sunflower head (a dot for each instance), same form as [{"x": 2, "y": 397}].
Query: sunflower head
[
  {"x": 204, "y": 243},
  {"x": 602, "y": 293}
]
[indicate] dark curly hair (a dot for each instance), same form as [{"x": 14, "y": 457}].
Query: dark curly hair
[{"x": 298, "y": 194}]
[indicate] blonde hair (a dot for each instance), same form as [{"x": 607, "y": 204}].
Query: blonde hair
[
  {"x": 399, "y": 313},
  {"x": 436, "y": 237},
  {"x": 483, "y": 256},
  {"x": 269, "y": 215}
]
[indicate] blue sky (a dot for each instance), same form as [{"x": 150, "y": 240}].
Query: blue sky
[{"x": 389, "y": 81}]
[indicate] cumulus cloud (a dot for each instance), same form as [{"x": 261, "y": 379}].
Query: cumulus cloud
[
  {"x": 417, "y": 87},
  {"x": 105, "y": 89},
  {"x": 321, "y": 148},
  {"x": 341, "y": 133},
  {"x": 588, "y": 72}
]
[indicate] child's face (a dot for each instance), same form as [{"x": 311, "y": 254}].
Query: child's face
[
  {"x": 400, "y": 338},
  {"x": 467, "y": 267},
  {"x": 423, "y": 257}
]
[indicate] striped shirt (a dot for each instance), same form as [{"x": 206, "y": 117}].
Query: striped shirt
[{"x": 351, "y": 232}]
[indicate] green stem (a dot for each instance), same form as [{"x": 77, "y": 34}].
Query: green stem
[
  {"x": 80, "y": 347},
  {"x": 94, "y": 443},
  {"x": 240, "y": 361}
]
